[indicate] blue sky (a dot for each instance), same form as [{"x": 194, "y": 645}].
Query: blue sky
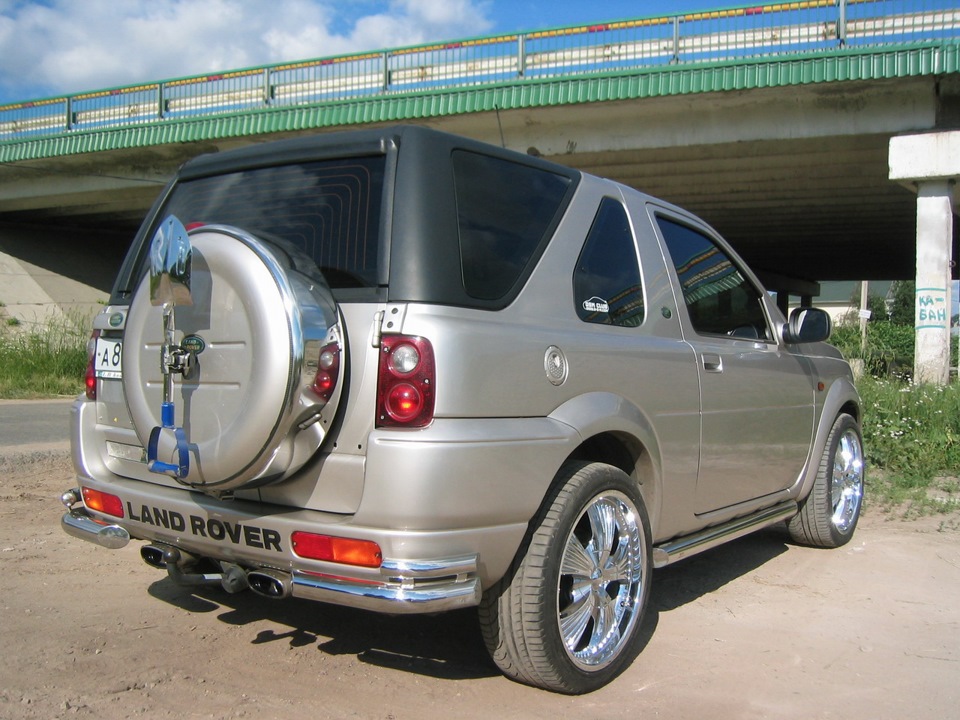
[{"x": 54, "y": 47}]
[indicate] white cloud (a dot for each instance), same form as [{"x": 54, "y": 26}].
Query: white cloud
[{"x": 63, "y": 46}]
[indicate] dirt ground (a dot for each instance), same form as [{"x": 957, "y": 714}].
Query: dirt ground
[{"x": 756, "y": 629}]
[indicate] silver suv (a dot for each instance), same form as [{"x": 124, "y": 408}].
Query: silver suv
[{"x": 409, "y": 372}]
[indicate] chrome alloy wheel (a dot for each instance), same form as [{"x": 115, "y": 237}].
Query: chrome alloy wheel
[
  {"x": 846, "y": 489},
  {"x": 601, "y": 581}
]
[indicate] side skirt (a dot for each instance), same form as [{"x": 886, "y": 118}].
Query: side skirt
[{"x": 682, "y": 547}]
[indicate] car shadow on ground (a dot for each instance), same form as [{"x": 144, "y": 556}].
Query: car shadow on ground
[
  {"x": 448, "y": 645},
  {"x": 697, "y": 576},
  {"x": 445, "y": 646}
]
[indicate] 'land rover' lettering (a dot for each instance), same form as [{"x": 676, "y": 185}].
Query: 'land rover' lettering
[
  {"x": 212, "y": 528},
  {"x": 169, "y": 519}
]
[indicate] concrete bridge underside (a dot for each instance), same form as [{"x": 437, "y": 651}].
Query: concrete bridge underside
[{"x": 797, "y": 178}]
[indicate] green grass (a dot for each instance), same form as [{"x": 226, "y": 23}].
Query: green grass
[
  {"x": 911, "y": 432},
  {"x": 43, "y": 363},
  {"x": 911, "y": 435}
]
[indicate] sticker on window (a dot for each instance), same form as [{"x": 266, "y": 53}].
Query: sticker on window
[{"x": 597, "y": 305}]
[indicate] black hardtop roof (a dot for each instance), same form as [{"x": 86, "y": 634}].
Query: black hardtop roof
[{"x": 348, "y": 143}]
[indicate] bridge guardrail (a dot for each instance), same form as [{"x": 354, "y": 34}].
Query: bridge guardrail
[{"x": 738, "y": 33}]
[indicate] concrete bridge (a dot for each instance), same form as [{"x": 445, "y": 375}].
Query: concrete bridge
[{"x": 822, "y": 138}]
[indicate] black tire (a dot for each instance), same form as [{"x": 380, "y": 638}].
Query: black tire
[
  {"x": 829, "y": 514},
  {"x": 567, "y": 615}
]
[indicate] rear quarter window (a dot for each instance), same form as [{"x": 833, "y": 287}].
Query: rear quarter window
[
  {"x": 504, "y": 212},
  {"x": 607, "y": 288}
]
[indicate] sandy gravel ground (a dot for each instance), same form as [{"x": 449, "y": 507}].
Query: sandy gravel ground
[{"x": 756, "y": 629}]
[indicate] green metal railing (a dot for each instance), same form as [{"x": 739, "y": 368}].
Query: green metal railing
[{"x": 734, "y": 34}]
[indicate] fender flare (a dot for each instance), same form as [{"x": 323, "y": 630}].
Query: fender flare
[
  {"x": 598, "y": 413},
  {"x": 842, "y": 392}
]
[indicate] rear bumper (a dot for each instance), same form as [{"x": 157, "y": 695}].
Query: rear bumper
[
  {"x": 407, "y": 588},
  {"x": 80, "y": 525},
  {"x": 398, "y": 586}
]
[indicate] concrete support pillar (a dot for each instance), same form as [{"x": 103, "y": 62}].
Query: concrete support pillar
[
  {"x": 930, "y": 165},
  {"x": 933, "y": 304}
]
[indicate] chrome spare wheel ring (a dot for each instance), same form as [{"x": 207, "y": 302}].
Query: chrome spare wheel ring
[{"x": 601, "y": 581}]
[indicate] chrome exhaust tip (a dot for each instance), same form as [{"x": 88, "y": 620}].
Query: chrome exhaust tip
[
  {"x": 273, "y": 584},
  {"x": 153, "y": 556}
]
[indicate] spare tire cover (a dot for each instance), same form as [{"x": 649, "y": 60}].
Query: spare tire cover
[{"x": 260, "y": 315}]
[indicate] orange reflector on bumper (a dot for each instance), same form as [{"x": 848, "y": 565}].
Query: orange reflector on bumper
[
  {"x": 339, "y": 550},
  {"x": 103, "y": 502}
]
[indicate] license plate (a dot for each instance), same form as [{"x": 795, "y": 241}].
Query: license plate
[{"x": 106, "y": 361}]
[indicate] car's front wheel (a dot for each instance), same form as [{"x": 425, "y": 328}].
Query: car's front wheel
[
  {"x": 567, "y": 616},
  {"x": 829, "y": 514}
]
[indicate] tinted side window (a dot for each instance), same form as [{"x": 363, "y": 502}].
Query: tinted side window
[
  {"x": 329, "y": 210},
  {"x": 607, "y": 288},
  {"x": 720, "y": 300},
  {"x": 504, "y": 209}
]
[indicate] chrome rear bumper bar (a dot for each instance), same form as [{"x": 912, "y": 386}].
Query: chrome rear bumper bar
[
  {"x": 404, "y": 586},
  {"x": 77, "y": 523},
  {"x": 407, "y": 587}
]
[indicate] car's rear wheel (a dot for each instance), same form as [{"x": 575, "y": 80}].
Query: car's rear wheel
[
  {"x": 567, "y": 616},
  {"x": 829, "y": 514}
]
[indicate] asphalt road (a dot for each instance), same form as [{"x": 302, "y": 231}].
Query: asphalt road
[{"x": 34, "y": 425}]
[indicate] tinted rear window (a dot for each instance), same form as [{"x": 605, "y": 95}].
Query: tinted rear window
[
  {"x": 504, "y": 210},
  {"x": 330, "y": 210}
]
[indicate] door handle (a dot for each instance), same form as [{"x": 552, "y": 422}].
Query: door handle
[{"x": 712, "y": 362}]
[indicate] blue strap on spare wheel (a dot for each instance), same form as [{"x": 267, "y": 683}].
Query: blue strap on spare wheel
[{"x": 182, "y": 469}]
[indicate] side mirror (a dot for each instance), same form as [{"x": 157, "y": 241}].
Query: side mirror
[
  {"x": 170, "y": 259},
  {"x": 807, "y": 325}
]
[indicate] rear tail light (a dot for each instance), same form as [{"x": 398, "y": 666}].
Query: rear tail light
[
  {"x": 328, "y": 370},
  {"x": 405, "y": 383},
  {"x": 90, "y": 376},
  {"x": 103, "y": 502}
]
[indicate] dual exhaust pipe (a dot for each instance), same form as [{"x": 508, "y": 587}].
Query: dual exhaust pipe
[{"x": 270, "y": 583}]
